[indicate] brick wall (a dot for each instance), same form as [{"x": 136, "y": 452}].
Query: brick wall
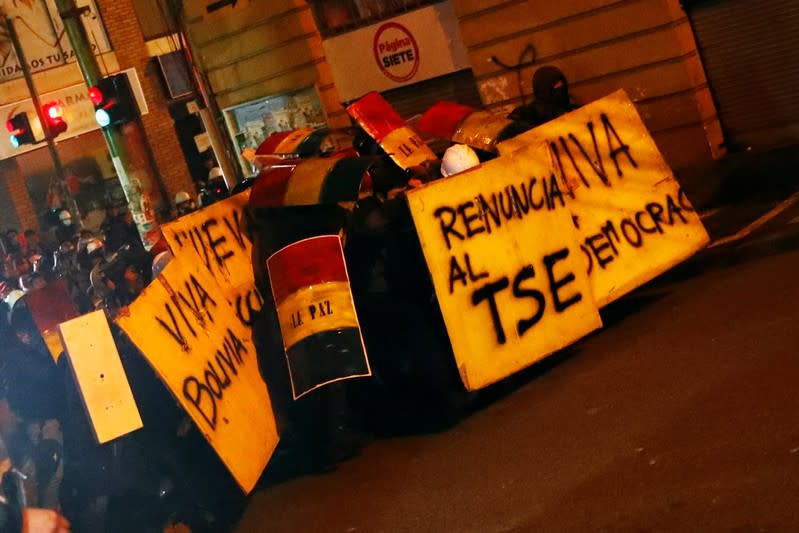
[
  {"x": 17, "y": 209},
  {"x": 125, "y": 35}
]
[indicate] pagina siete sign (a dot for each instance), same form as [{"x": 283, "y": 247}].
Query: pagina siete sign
[
  {"x": 524, "y": 249},
  {"x": 190, "y": 334},
  {"x": 416, "y": 46}
]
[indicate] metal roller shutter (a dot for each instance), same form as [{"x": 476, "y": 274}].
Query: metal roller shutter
[
  {"x": 750, "y": 50},
  {"x": 415, "y": 99}
]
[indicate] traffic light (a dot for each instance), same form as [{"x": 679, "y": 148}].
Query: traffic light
[
  {"x": 20, "y": 129},
  {"x": 113, "y": 101},
  {"x": 54, "y": 116}
]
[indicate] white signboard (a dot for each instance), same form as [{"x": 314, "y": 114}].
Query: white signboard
[
  {"x": 42, "y": 37},
  {"x": 414, "y": 47}
]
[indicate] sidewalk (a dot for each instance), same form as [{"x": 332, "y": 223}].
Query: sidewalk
[
  {"x": 741, "y": 178},
  {"x": 749, "y": 203}
]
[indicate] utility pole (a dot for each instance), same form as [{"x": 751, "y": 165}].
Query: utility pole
[
  {"x": 126, "y": 142},
  {"x": 60, "y": 182}
]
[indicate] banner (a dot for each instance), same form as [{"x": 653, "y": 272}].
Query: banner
[
  {"x": 321, "y": 335},
  {"x": 507, "y": 271},
  {"x": 633, "y": 219},
  {"x": 192, "y": 337},
  {"x": 216, "y": 239}
]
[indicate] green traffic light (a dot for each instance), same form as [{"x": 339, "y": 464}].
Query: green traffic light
[
  {"x": 102, "y": 117},
  {"x": 14, "y": 141}
]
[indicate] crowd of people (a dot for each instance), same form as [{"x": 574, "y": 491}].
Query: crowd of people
[
  {"x": 104, "y": 269},
  {"x": 90, "y": 270}
]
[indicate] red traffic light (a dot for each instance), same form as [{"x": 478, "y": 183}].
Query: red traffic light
[
  {"x": 54, "y": 111},
  {"x": 95, "y": 95},
  {"x": 54, "y": 115},
  {"x": 10, "y": 126}
]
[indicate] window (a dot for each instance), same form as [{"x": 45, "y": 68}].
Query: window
[
  {"x": 252, "y": 122},
  {"x": 334, "y": 17}
]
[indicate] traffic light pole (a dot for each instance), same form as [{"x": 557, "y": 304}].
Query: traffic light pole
[
  {"x": 37, "y": 105},
  {"x": 126, "y": 142}
]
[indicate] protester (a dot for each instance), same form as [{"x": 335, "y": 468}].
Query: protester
[
  {"x": 184, "y": 204},
  {"x": 551, "y": 98}
]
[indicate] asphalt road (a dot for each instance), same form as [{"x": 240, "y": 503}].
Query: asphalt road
[{"x": 682, "y": 414}]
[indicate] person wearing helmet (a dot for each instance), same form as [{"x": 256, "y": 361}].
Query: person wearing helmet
[
  {"x": 458, "y": 158},
  {"x": 215, "y": 189},
  {"x": 184, "y": 203},
  {"x": 66, "y": 229}
]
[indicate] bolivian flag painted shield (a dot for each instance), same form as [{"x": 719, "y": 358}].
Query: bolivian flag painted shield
[{"x": 321, "y": 335}]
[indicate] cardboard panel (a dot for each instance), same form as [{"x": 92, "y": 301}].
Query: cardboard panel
[
  {"x": 199, "y": 347},
  {"x": 633, "y": 219},
  {"x": 509, "y": 276},
  {"x": 101, "y": 379},
  {"x": 215, "y": 239}
]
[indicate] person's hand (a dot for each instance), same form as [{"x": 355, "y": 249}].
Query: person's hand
[{"x": 36, "y": 520}]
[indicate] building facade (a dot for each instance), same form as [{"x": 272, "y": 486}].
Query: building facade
[
  {"x": 27, "y": 173},
  {"x": 272, "y": 65},
  {"x": 647, "y": 47}
]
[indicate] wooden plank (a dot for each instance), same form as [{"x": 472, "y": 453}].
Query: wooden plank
[
  {"x": 101, "y": 379},
  {"x": 191, "y": 335}
]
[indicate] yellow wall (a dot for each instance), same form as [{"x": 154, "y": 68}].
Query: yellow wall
[
  {"x": 263, "y": 48},
  {"x": 643, "y": 46}
]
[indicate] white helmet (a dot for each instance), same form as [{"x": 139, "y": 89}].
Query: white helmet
[
  {"x": 160, "y": 262},
  {"x": 215, "y": 172},
  {"x": 94, "y": 245},
  {"x": 181, "y": 197},
  {"x": 458, "y": 158},
  {"x": 65, "y": 217}
]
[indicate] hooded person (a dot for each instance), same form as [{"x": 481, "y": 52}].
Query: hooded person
[{"x": 550, "y": 98}]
